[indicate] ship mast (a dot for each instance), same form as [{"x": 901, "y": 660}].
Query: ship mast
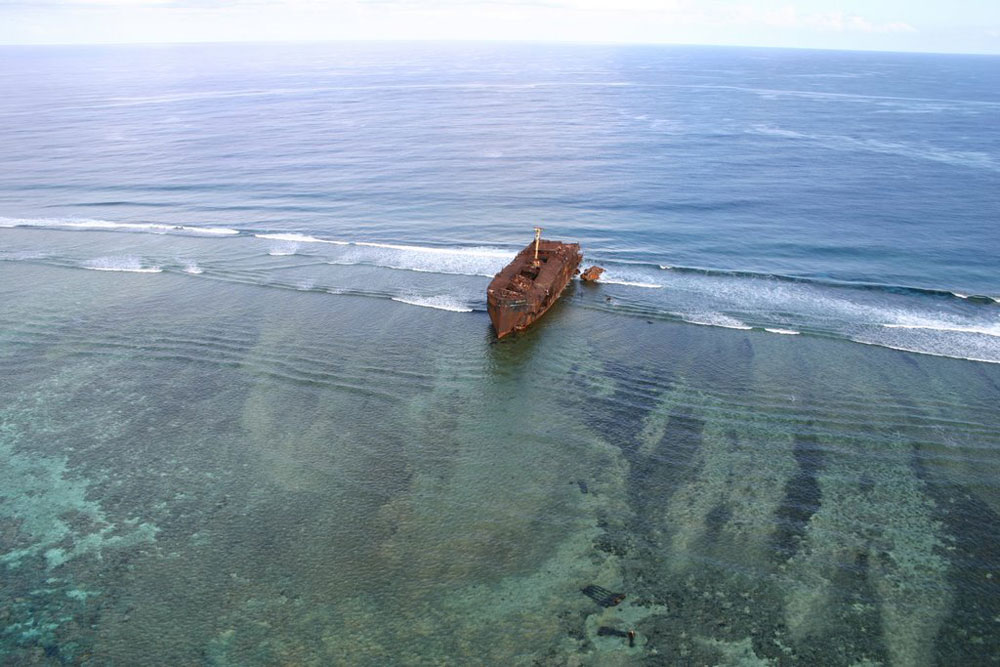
[{"x": 538, "y": 235}]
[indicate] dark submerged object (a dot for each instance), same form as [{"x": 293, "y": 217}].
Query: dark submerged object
[
  {"x": 605, "y": 631},
  {"x": 529, "y": 285},
  {"x": 603, "y": 596}
]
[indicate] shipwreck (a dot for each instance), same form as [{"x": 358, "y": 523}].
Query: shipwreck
[{"x": 531, "y": 283}]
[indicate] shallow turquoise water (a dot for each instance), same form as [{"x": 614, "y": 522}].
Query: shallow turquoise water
[{"x": 223, "y": 473}]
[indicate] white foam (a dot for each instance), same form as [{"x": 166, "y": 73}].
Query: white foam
[
  {"x": 192, "y": 268},
  {"x": 208, "y": 231},
  {"x": 470, "y": 252},
  {"x": 127, "y": 264},
  {"x": 632, "y": 277},
  {"x": 107, "y": 225},
  {"x": 958, "y": 338},
  {"x": 946, "y": 326},
  {"x": 283, "y": 249},
  {"x": 927, "y": 352},
  {"x": 442, "y": 302},
  {"x": 716, "y": 320},
  {"x": 787, "y": 332},
  {"x": 298, "y": 238},
  {"x": 976, "y": 297},
  {"x": 482, "y": 261},
  {"x": 436, "y": 269},
  {"x": 666, "y": 267},
  {"x": 629, "y": 283}
]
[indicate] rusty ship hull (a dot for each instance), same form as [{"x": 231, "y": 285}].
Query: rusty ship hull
[{"x": 524, "y": 289}]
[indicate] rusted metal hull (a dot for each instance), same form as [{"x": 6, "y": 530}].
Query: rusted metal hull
[{"x": 523, "y": 291}]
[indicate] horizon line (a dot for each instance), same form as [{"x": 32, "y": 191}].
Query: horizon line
[{"x": 485, "y": 41}]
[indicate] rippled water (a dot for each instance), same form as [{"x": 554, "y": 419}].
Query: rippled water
[{"x": 252, "y": 411}]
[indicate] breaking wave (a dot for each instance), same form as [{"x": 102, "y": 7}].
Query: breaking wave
[
  {"x": 107, "y": 225},
  {"x": 126, "y": 264},
  {"x": 484, "y": 261},
  {"x": 471, "y": 260},
  {"x": 715, "y": 320},
  {"x": 295, "y": 237},
  {"x": 474, "y": 251},
  {"x": 827, "y": 282},
  {"x": 284, "y": 249},
  {"x": 628, "y": 283},
  {"x": 943, "y": 326},
  {"x": 439, "y": 302},
  {"x": 980, "y": 298},
  {"x": 628, "y": 278},
  {"x": 944, "y": 322},
  {"x": 960, "y": 351}
]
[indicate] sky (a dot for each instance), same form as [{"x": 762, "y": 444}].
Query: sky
[{"x": 958, "y": 26}]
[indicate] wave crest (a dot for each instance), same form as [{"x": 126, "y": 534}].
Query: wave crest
[
  {"x": 295, "y": 237},
  {"x": 126, "y": 264},
  {"x": 441, "y": 302},
  {"x": 108, "y": 225}
]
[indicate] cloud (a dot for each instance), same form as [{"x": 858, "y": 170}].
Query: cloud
[
  {"x": 789, "y": 17},
  {"x": 113, "y": 3},
  {"x": 679, "y": 11},
  {"x": 763, "y": 22},
  {"x": 76, "y": 4}
]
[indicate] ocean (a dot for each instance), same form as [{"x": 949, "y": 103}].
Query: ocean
[{"x": 252, "y": 410}]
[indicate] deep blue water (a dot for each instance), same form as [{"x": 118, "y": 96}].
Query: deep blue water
[
  {"x": 865, "y": 169},
  {"x": 252, "y": 410}
]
